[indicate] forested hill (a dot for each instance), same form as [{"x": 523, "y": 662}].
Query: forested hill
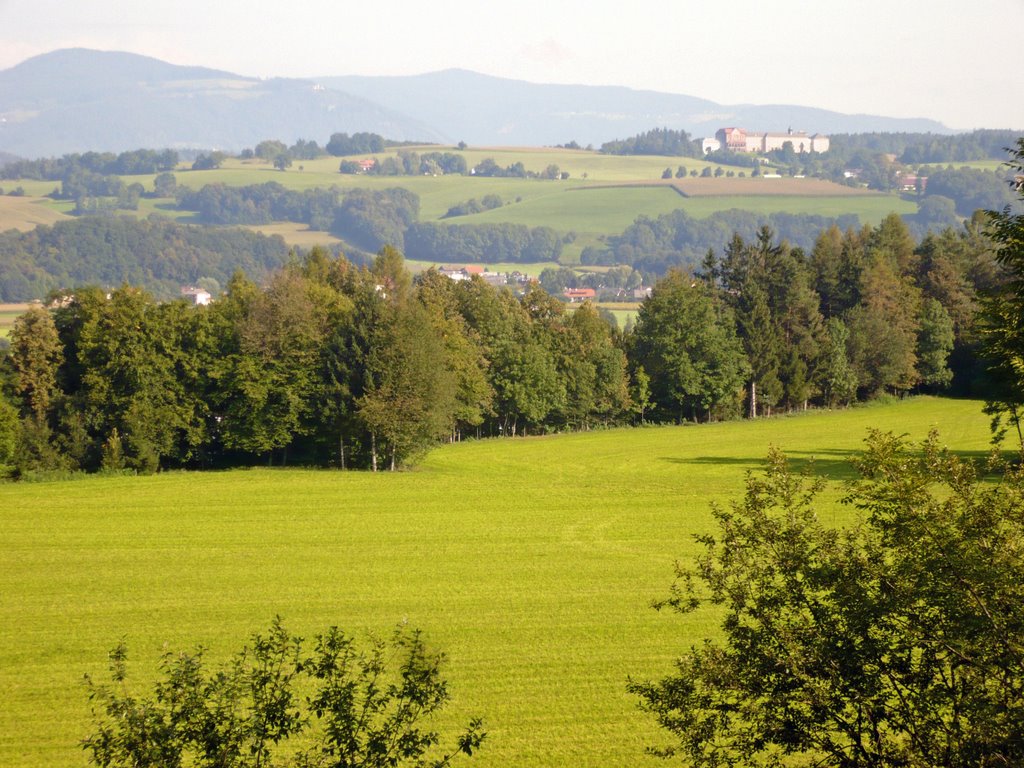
[
  {"x": 79, "y": 100},
  {"x": 159, "y": 254}
]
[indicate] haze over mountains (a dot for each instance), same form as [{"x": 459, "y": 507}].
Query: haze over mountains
[{"x": 77, "y": 100}]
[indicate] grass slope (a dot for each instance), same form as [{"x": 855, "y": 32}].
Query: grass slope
[
  {"x": 618, "y": 189},
  {"x": 531, "y": 561},
  {"x": 26, "y": 213}
]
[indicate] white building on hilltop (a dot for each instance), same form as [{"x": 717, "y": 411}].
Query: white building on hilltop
[{"x": 740, "y": 140}]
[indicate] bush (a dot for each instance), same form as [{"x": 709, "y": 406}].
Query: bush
[{"x": 362, "y": 707}]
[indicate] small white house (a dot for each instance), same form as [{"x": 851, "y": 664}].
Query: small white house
[{"x": 197, "y": 296}]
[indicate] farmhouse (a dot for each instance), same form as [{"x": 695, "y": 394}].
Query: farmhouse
[
  {"x": 467, "y": 272},
  {"x": 576, "y": 295},
  {"x": 911, "y": 183},
  {"x": 740, "y": 140},
  {"x": 197, "y": 296}
]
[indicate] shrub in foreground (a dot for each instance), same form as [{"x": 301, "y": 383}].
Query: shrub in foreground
[{"x": 334, "y": 706}]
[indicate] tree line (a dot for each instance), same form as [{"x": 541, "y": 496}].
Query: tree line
[
  {"x": 678, "y": 239},
  {"x": 327, "y": 363},
  {"x": 657, "y": 141},
  {"x": 863, "y": 313},
  {"x": 330, "y": 363},
  {"x": 917, "y": 148},
  {"x": 135, "y": 162}
]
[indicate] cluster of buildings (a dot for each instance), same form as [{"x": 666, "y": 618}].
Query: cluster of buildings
[
  {"x": 491, "y": 278},
  {"x": 740, "y": 140}
]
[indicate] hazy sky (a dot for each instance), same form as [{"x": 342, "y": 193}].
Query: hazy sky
[{"x": 951, "y": 60}]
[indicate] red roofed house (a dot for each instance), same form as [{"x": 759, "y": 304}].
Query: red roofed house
[{"x": 576, "y": 295}]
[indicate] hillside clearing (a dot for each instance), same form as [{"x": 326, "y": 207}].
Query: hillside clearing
[{"x": 27, "y": 213}]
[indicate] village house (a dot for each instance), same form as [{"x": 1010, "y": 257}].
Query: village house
[
  {"x": 577, "y": 295},
  {"x": 911, "y": 183}
]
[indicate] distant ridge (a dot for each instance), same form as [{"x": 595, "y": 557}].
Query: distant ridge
[
  {"x": 482, "y": 109},
  {"x": 75, "y": 100}
]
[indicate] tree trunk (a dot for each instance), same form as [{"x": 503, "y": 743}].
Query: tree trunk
[
  {"x": 373, "y": 451},
  {"x": 341, "y": 450},
  {"x": 753, "y": 399}
]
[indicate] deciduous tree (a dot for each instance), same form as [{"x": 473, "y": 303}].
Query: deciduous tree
[
  {"x": 1003, "y": 323},
  {"x": 898, "y": 642}
]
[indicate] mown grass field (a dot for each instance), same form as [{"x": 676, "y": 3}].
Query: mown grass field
[
  {"x": 532, "y": 562},
  {"x": 26, "y": 213}
]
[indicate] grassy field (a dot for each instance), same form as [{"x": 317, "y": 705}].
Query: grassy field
[
  {"x": 533, "y": 202},
  {"x": 8, "y": 314},
  {"x": 622, "y": 310},
  {"x": 531, "y": 561},
  {"x": 26, "y": 213}
]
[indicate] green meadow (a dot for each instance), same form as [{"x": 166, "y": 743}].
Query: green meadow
[
  {"x": 8, "y": 314},
  {"x": 583, "y": 203},
  {"x": 531, "y": 561}
]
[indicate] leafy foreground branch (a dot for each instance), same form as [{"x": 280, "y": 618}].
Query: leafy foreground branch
[
  {"x": 362, "y": 709},
  {"x": 899, "y": 642}
]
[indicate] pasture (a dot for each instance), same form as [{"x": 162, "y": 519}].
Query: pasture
[
  {"x": 532, "y": 562},
  {"x": 618, "y": 189},
  {"x": 8, "y": 314},
  {"x": 27, "y": 213}
]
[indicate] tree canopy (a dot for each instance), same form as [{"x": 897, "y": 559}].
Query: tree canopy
[
  {"x": 1003, "y": 321},
  {"x": 897, "y": 642}
]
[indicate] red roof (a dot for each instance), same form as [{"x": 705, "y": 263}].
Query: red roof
[{"x": 579, "y": 293}]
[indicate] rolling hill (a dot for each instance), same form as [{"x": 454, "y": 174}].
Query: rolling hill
[{"x": 79, "y": 100}]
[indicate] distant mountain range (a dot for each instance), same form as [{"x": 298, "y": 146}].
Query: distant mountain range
[{"x": 77, "y": 100}]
